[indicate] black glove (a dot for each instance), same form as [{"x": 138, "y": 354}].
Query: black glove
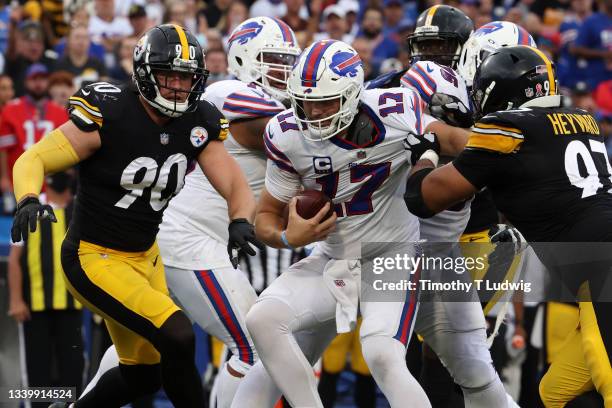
[
  {"x": 416, "y": 145},
  {"x": 29, "y": 210},
  {"x": 451, "y": 110},
  {"x": 241, "y": 232},
  {"x": 509, "y": 242}
]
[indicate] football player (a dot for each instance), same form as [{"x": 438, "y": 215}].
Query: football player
[
  {"x": 454, "y": 330},
  {"x": 346, "y": 142},
  {"x": 529, "y": 150},
  {"x": 199, "y": 273},
  {"x": 133, "y": 144}
]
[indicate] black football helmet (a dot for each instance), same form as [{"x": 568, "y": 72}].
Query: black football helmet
[
  {"x": 439, "y": 35},
  {"x": 169, "y": 47},
  {"x": 511, "y": 76}
]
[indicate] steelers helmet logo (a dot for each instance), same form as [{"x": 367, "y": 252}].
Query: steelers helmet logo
[
  {"x": 199, "y": 136},
  {"x": 140, "y": 48}
]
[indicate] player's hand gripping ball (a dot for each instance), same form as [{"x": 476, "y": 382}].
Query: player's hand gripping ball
[{"x": 309, "y": 217}]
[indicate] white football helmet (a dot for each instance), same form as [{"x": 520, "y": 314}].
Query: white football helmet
[
  {"x": 327, "y": 70},
  {"x": 263, "y": 50},
  {"x": 487, "y": 39}
]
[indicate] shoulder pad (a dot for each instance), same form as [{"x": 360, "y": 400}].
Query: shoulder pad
[
  {"x": 90, "y": 105},
  {"x": 216, "y": 124},
  {"x": 496, "y": 132},
  {"x": 388, "y": 80},
  {"x": 237, "y": 100}
]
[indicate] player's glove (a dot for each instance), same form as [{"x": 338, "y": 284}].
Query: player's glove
[
  {"x": 451, "y": 110},
  {"x": 417, "y": 145},
  {"x": 29, "y": 210},
  {"x": 509, "y": 242},
  {"x": 241, "y": 233}
]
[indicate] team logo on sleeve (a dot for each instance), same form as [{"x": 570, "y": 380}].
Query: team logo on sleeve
[
  {"x": 246, "y": 33},
  {"x": 199, "y": 136},
  {"x": 346, "y": 64}
]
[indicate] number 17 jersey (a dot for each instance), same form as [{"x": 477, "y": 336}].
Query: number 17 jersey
[{"x": 365, "y": 181}]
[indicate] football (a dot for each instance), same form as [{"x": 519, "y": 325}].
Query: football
[{"x": 309, "y": 202}]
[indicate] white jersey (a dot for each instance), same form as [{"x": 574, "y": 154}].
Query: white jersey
[
  {"x": 366, "y": 183},
  {"x": 428, "y": 79},
  {"x": 193, "y": 233}
]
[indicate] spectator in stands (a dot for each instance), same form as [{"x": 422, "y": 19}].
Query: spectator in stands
[
  {"x": 26, "y": 120},
  {"x": 107, "y": 28},
  {"x": 123, "y": 70},
  {"x": 570, "y": 68},
  {"x": 363, "y": 47},
  {"x": 594, "y": 44},
  {"x": 53, "y": 22},
  {"x": 268, "y": 8},
  {"x": 39, "y": 300},
  {"x": 582, "y": 98},
  {"x": 176, "y": 12},
  {"x": 214, "y": 39},
  {"x": 603, "y": 96},
  {"x": 26, "y": 47},
  {"x": 293, "y": 18},
  {"x": 335, "y": 25},
  {"x": 5, "y": 18},
  {"x": 351, "y": 10},
  {"x": 383, "y": 47},
  {"x": 393, "y": 13},
  {"x": 216, "y": 63},
  {"x": 7, "y": 92},
  {"x": 76, "y": 59},
  {"x": 236, "y": 14},
  {"x": 80, "y": 17},
  {"x": 137, "y": 16},
  {"x": 61, "y": 87},
  {"x": 215, "y": 12}
]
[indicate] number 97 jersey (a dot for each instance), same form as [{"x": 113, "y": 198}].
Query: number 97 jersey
[
  {"x": 547, "y": 169},
  {"x": 363, "y": 172},
  {"x": 126, "y": 184}
]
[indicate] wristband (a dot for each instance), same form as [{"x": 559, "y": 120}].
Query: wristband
[
  {"x": 283, "y": 238},
  {"x": 432, "y": 156}
]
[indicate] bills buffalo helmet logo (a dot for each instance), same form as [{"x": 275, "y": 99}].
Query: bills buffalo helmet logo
[
  {"x": 246, "y": 32},
  {"x": 346, "y": 63},
  {"x": 488, "y": 28}
]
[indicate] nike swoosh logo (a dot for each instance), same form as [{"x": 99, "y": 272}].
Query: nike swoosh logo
[
  {"x": 429, "y": 70},
  {"x": 472, "y": 239},
  {"x": 155, "y": 261},
  {"x": 86, "y": 93}
]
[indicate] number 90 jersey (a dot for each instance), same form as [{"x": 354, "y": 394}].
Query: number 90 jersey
[
  {"x": 366, "y": 182},
  {"x": 127, "y": 183},
  {"x": 548, "y": 172}
]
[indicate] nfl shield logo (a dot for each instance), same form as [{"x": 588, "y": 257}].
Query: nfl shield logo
[
  {"x": 164, "y": 138},
  {"x": 529, "y": 92},
  {"x": 361, "y": 154}
]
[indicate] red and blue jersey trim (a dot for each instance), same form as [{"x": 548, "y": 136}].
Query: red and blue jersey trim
[
  {"x": 279, "y": 158},
  {"x": 226, "y": 314},
  {"x": 409, "y": 311},
  {"x": 251, "y": 105}
]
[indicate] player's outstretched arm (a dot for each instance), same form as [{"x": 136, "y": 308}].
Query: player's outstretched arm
[
  {"x": 227, "y": 178},
  {"x": 249, "y": 133},
  {"x": 59, "y": 150},
  {"x": 452, "y": 139},
  {"x": 429, "y": 190}
]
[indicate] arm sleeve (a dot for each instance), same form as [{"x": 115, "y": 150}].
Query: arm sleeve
[
  {"x": 281, "y": 184},
  {"x": 51, "y": 154}
]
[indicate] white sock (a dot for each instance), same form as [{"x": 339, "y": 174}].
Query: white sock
[
  {"x": 110, "y": 359},
  {"x": 227, "y": 384},
  {"x": 385, "y": 357}
]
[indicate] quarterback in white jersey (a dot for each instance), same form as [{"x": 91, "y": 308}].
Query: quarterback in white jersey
[
  {"x": 193, "y": 235},
  {"x": 355, "y": 146}
]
